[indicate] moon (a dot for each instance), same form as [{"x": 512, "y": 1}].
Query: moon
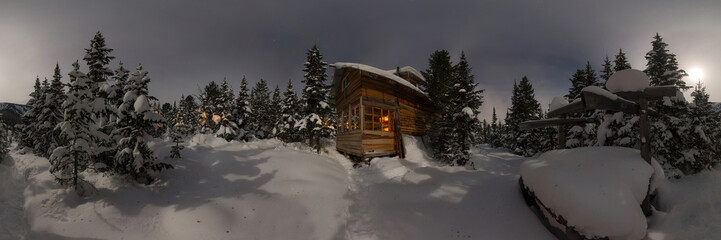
[{"x": 695, "y": 74}]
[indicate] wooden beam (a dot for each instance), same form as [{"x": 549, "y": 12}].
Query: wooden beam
[
  {"x": 650, "y": 93},
  {"x": 553, "y": 122},
  {"x": 594, "y": 100},
  {"x": 572, "y": 107}
]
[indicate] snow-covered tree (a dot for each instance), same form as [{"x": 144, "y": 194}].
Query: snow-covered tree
[
  {"x": 4, "y": 140},
  {"x": 261, "y": 124},
  {"x": 275, "y": 111},
  {"x": 27, "y": 129},
  {"x": 210, "y": 102},
  {"x": 495, "y": 133},
  {"x": 177, "y": 139},
  {"x": 97, "y": 58},
  {"x": 115, "y": 98},
  {"x": 621, "y": 63},
  {"x": 227, "y": 129},
  {"x": 702, "y": 140},
  {"x": 188, "y": 116},
  {"x": 289, "y": 115},
  {"x": 50, "y": 116},
  {"x": 77, "y": 133},
  {"x": 581, "y": 79},
  {"x": 662, "y": 67},
  {"x": 317, "y": 120},
  {"x": 465, "y": 100},
  {"x": 136, "y": 121},
  {"x": 524, "y": 107},
  {"x": 439, "y": 79},
  {"x": 607, "y": 69},
  {"x": 242, "y": 112}
]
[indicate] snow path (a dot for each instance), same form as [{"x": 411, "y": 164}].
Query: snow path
[
  {"x": 13, "y": 224},
  {"x": 414, "y": 199}
]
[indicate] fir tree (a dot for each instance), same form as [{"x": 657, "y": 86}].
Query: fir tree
[
  {"x": 701, "y": 151},
  {"x": 27, "y": 129},
  {"x": 607, "y": 70},
  {"x": 495, "y": 138},
  {"x": 662, "y": 67},
  {"x": 262, "y": 123},
  {"x": 581, "y": 79},
  {"x": 228, "y": 129},
  {"x": 465, "y": 100},
  {"x": 119, "y": 79},
  {"x": 51, "y": 115},
  {"x": 77, "y": 133},
  {"x": 275, "y": 112},
  {"x": 187, "y": 116},
  {"x": 439, "y": 78},
  {"x": 289, "y": 115},
  {"x": 209, "y": 107},
  {"x": 524, "y": 107},
  {"x": 621, "y": 63},
  {"x": 317, "y": 119},
  {"x": 178, "y": 140},
  {"x": 136, "y": 121},
  {"x": 242, "y": 111}
]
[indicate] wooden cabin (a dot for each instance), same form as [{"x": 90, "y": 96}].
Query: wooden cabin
[{"x": 375, "y": 107}]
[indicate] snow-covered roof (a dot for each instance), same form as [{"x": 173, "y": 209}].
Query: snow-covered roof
[
  {"x": 410, "y": 70},
  {"x": 380, "y": 72}
]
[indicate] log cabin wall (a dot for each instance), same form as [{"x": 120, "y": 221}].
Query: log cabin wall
[{"x": 373, "y": 112}]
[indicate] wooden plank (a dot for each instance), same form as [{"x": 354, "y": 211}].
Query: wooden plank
[
  {"x": 553, "y": 122},
  {"x": 592, "y": 100},
  {"x": 650, "y": 93},
  {"x": 378, "y": 141},
  {"x": 570, "y": 108}
]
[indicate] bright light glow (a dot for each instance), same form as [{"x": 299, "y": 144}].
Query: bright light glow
[{"x": 695, "y": 74}]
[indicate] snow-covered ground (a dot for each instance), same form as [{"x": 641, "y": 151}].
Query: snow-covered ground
[{"x": 268, "y": 190}]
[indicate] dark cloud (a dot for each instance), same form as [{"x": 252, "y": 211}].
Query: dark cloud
[{"x": 187, "y": 44}]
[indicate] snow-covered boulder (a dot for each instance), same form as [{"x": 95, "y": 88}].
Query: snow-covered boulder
[
  {"x": 628, "y": 80},
  {"x": 597, "y": 191}
]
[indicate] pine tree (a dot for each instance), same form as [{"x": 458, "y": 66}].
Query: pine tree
[
  {"x": 51, "y": 115},
  {"x": 495, "y": 138},
  {"x": 178, "y": 140},
  {"x": 275, "y": 112},
  {"x": 701, "y": 141},
  {"x": 524, "y": 107},
  {"x": 621, "y": 63},
  {"x": 465, "y": 100},
  {"x": 39, "y": 126},
  {"x": 289, "y": 115},
  {"x": 439, "y": 78},
  {"x": 27, "y": 129},
  {"x": 77, "y": 133},
  {"x": 581, "y": 79},
  {"x": 136, "y": 121},
  {"x": 228, "y": 129},
  {"x": 4, "y": 140},
  {"x": 209, "y": 107},
  {"x": 607, "y": 70},
  {"x": 119, "y": 78},
  {"x": 242, "y": 112},
  {"x": 662, "y": 67},
  {"x": 187, "y": 116},
  {"x": 261, "y": 123},
  {"x": 317, "y": 120}
]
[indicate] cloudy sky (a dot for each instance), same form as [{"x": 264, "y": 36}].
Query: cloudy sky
[{"x": 186, "y": 45}]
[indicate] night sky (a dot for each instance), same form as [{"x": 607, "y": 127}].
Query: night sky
[{"x": 186, "y": 45}]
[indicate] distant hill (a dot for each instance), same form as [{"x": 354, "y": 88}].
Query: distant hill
[{"x": 10, "y": 113}]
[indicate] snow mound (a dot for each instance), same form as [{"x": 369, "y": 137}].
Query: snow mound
[
  {"x": 628, "y": 80},
  {"x": 557, "y": 102},
  {"x": 598, "y": 190}
]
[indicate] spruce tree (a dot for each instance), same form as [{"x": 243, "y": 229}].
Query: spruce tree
[
  {"x": 702, "y": 140},
  {"x": 524, "y": 107},
  {"x": 228, "y": 129},
  {"x": 662, "y": 67},
  {"x": 188, "y": 116},
  {"x": 40, "y": 128},
  {"x": 494, "y": 137},
  {"x": 77, "y": 133},
  {"x": 275, "y": 112},
  {"x": 621, "y": 63},
  {"x": 28, "y": 127},
  {"x": 439, "y": 78},
  {"x": 317, "y": 119},
  {"x": 242, "y": 112},
  {"x": 261, "y": 123},
  {"x": 177, "y": 139},
  {"x": 136, "y": 121},
  {"x": 209, "y": 107},
  {"x": 607, "y": 69},
  {"x": 51, "y": 115},
  {"x": 289, "y": 115},
  {"x": 465, "y": 100}
]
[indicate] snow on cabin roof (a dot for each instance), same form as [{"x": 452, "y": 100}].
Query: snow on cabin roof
[
  {"x": 411, "y": 70},
  {"x": 387, "y": 74}
]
